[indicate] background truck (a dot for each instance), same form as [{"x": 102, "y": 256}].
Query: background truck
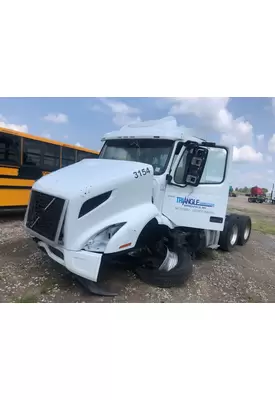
[
  {"x": 257, "y": 195},
  {"x": 153, "y": 199}
]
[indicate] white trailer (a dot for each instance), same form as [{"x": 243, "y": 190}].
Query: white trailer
[{"x": 154, "y": 198}]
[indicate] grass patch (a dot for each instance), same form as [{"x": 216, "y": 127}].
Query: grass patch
[
  {"x": 259, "y": 224},
  {"x": 246, "y": 211},
  {"x": 267, "y": 227},
  {"x": 237, "y": 210}
]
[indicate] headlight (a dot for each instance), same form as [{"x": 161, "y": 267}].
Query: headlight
[{"x": 99, "y": 241}]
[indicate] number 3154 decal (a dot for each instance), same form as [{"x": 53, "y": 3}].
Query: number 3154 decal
[{"x": 141, "y": 172}]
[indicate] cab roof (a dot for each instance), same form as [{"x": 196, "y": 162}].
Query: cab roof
[{"x": 164, "y": 128}]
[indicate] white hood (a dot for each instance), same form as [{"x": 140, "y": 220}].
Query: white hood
[{"x": 87, "y": 176}]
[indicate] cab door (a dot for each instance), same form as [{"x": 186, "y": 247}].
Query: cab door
[{"x": 203, "y": 206}]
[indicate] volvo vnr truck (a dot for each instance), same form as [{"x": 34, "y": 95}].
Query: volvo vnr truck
[{"x": 153, "y": 199}]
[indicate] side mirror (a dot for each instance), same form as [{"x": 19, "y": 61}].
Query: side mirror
[{"x": 194, "y": 167}]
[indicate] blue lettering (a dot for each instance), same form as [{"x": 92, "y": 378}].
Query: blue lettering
[{"x": 193, "y": 202}]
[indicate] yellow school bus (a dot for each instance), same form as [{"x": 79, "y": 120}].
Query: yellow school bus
[{"x": 25, "y": 158}]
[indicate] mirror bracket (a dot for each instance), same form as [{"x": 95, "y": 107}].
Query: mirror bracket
[{"x": 196, "y": 160}]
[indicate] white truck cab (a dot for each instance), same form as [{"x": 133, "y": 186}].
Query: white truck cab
[{"x": 155, "y": 187}]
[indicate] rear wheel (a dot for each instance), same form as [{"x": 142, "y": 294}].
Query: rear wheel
[
  {"x": 229, "y": 236},
  {"x": 245, "y": 226}
]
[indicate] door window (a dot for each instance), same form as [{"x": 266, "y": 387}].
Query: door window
[{"x": 214, "y": 170}]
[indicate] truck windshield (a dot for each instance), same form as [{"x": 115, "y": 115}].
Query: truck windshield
[{"x": 150, "y": 151}]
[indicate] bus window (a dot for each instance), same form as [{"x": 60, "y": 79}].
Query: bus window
[
  {"x": 83, "y": 154},
  {"x": 9, "y": 149},
  {"x": 51, "y": 156},
  {"x": 68, "y": 156},
  {"x": 32, "y": 152}
]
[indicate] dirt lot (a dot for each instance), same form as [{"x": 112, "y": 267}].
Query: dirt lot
[{"x": 246, "y": 275}]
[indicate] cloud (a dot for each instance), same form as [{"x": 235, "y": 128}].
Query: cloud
[
  {"x": 123, "y": 113},
  {"x": 268, "y": 159},
  {"x": 79, "y": 145},
  {"x": 202, "y": 107},
  {"x": 5, "y": 124},
  {"x": 213, "y": 114},
  {"x": 56, "y": 118},
  {"x": 250, "y": 179},
  {"x": 123, "y": 119},
  {"x": 246, "y": 154},
  {"x": 271, "y": 144},
  {"x": 260, "y": 138}
]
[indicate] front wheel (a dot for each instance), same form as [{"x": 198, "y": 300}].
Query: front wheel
[{"x": 173, "y": 271}]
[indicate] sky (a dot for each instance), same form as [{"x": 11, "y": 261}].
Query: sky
[{"x": 247, "y": 124}]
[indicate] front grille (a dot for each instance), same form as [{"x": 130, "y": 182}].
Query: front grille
[{"x": 44, "y": 214}]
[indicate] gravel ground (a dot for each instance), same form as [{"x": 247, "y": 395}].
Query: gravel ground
[{"x": 245, "y": 275}]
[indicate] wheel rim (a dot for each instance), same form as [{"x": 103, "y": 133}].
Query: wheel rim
[
  {"x": 246, "y": 232},
  {"x": 234, "y": 235},
  {"x": 169, "y": 262}
]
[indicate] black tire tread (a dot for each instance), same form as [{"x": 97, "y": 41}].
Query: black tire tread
[
  {"x": 224, "y": 242},
  {"x": 243, "y": 220},
  {"x": 167, "y": 279}
]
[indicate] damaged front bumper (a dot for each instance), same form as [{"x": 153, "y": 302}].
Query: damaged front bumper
[{"x": 82, "y": 263}]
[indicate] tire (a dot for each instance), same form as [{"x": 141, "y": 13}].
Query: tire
[
  {"x": 229, "y": 236},
  {"x": 167, "y": 279},
  {"x": 245, "y": 226},
  {"x": 249, "y": 200}
]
